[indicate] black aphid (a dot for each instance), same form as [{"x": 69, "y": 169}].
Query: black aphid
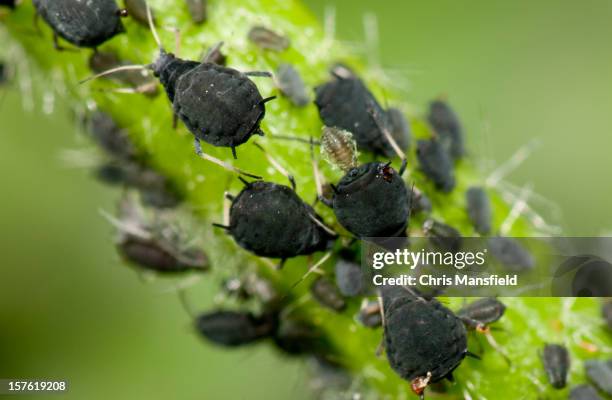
[
  {"x": 234, "y": 328},
  {"x": 137, "y": 9},
  {"x": 447, "y": 126},
  {"x": 436, "y": 164},
  {"x": 270, "y": 220},
  {"x": 349, "y": 278},
  {"x": 218, "y": 105},
  {"x": 198, "y": 10},
  {"x": 479, "y": 209},
  {"x": 370, "y": 200},
  {"x": 345, "y": 102},
  {"x": 424, "y": 340},
  {"x": 511, "y": 253},
  {"x": 442, "y": 236},
  {"x": 82, "y": 23},
  {"x": 399, "y": 128},
  {"x": 291, "y": 85},
  {"x": 369, "y": 314},
  {"x": 584, "y": 392},
  {"x": 556, "y": 361},
  {"x": 600, "y": 373},
  {"x": 327, "y": 294},
  {"x": 486, "y": 310},
  {"x": 137, "y": 80},
  {"x": 606, "y": 312},
  {"x": 294, "y": 336},
  {"x": 268, "y": 39}
]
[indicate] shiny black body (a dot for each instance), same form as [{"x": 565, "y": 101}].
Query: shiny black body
[
  {"x": 372, "y": 201},
  {"x": 556, "y": 361},
  {"x": 270, "y": 220},
  {"x": 82, "y": 23},
  {"x": 421, "y": 336},
  {"x": 436, "y": 164},
  {"x": 479, "y": 209},
  {"x": 233, "y": 328},
  {"x": 446, "y": 124},
  {"x": 219, "y": 105}
]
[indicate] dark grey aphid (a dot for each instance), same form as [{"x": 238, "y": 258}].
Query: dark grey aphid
[
  {"x": 479, "y": 209},
  {"x": 327, "y": 294},
  {"x": 436, "y": 164},
  {"x": 268, "y": 39},
  {"x": 399, "y": 128},
  {"x": 485, "y": 311},
  {"x": 113, "y": 140},
  {"x": 270, "y": 220},
  {"x": 137, "y": 9},
  {"x": 600, "y": 373},
  {"x": 424, "y": 340},
  {"x": 511, "y": 253},
  {"x": 137, "y": 80},
  {"x": 349, "y": 278},
  {"x": 295, "y": 337},
  {"x": 372, "y": 201},
  {"x": 584, "y": 392},
  {"x": 82, "y": 23},
  {"x": 345, "y": 102},
  {"x": 556, "y": 361},
  {"x": 369, "y": 314},
  {"x": 447, "y": 126},
  {"x": 234, "y": 328},
  {"x": 443, "y": 236},
  {"x": 198, "y": 10},
  {"x": 291, "y": 85},
  {"x": 606, "y": 312}
]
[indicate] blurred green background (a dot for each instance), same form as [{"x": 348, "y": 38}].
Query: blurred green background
[{"x": 69, "y": 309}]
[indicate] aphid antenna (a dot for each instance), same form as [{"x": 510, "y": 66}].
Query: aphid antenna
[
  {"x": 261, "y": 74},
  {"x": 152, "y": 26},
  {"x": 115, "y": 70},
  {"x": 512, "y": 163},
  {"x": 132, "y": 229},
  {"x": 385, "y": 131},
  {"x": 517, "y": 209},
  {"x": 223, "y": 164},
  {"x": 294, "y": 139},
  {"x": 277, "y": 166},
  {"x": 314, "y": 268}
]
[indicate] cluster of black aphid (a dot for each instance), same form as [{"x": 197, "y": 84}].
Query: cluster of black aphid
[{"x": 221, "y": 106}]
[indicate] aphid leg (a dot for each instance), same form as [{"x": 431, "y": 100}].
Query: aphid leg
[
  {"x": 234, "y": 152},
  {"x": 418, "y": 385},
  {"x": 472, "y": 355},
  {"x": 277, "y": 166},
  {"x": 57, "y": 46},
  {"x": 267, "y": 99},
  {"x": 174, "y": 120},
  {"x": 211, "y": 52},
  {"x": 261, "y": 74},
  {"x": 201, "y": 154}
]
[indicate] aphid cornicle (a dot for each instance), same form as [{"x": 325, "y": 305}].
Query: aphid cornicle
[
  {"x": 234, "y": 328},
  {"x": 345, "y": 102},
  {"x": 479, "y": 209},
  {"x": 218, "y": 105},
  {"x": 600, "y": 373},
  {"x": 556, "y": 361},
  {"x": 447, "y": 126},
  {"x": 270, "y": 220},
  {"x": 485, "y": 311},
  {"x": 436, "y": 164},
  {"x": 424, "y": 340},
  {"x": 370, "y": 200},
  {"x": 584, "y": 392},
  {"x": 82, "y": 23},
  {"x": 327, "y": 294}
]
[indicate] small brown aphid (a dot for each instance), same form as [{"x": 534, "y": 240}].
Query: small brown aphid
[
  {"x": 338, "y": 147},
  {"x": 268, "y": 39}
]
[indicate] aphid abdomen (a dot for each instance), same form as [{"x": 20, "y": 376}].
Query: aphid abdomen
[
  {"x": 84, "y": 24},
  {"x": 372, "y": 201},
  {"x": 270, "y": 220},
  {"x": 348, "y": 104},
  {"x": 219, "y": 105}
]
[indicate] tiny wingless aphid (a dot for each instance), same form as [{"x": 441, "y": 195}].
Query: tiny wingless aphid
[
  {"x": 479, "y": 209},
  {"x": 349, "y": 278},
  {"x": 370, "y": 200},
  {"x": 447, "y": 126},
  {"x": 291, "y": 85},
  {"x": 584, "y": 392},
  {"x": 267, "y": 39},
  {"x": 436, "y": 164},
  {"x": 510, "y": 253},
  {"x": 327, "y": 294},
  {"x": 218, "y": 105},
  {"x": 600, "y": 373},
  {"x": 486, "y": 310},
  {"x": 556, "y": 361},
  {"x": 82, "y": 23},
  {"x": 234, "y": 328}
]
